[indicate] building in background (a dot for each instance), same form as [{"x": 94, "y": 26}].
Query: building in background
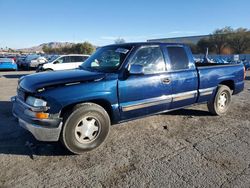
[{"x": 193, "y": 40}]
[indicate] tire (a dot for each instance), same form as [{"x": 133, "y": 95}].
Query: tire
[
  {"x": 85, "y": 128},
  {"x": 221, "y": 102}
]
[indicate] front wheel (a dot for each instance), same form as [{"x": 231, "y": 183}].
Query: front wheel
[
  {"x": 85, "y": 128},
  {"x": 221, "y": 102}
]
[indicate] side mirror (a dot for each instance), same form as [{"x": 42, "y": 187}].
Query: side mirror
[
  {"x": 56, "y": 62},
  {"x": 136, "y": 69}
]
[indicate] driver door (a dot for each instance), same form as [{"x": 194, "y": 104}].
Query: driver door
[{"x": 147, "y": 93}]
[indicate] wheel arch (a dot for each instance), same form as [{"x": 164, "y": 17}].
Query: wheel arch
[
  {"x": 101, "y": 102},
  {"x": 228, "y": 83},
  {"x": 49, "y": 69}
]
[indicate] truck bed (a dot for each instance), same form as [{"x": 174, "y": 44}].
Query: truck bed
[
  {"x": 212, "y": 64},
  {"x": 211, "y": 75}
]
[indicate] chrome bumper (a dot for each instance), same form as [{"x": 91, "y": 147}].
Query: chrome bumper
[{"x": 42, "y": 133}]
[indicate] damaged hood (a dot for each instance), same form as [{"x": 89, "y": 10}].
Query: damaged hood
[{"x": 32, "y": 83}]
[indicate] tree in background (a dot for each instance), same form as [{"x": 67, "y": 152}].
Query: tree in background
[
  {"x": 79, "y": 48},
  {"x": 203, "y": 44},
  {"x": 226, "y": 40},
  {"x": 87, "y": 48},
  {"x": 120, "y": 41},
  {"x": 46, "y": 49},
  {"x": 219, "y": 39},
  {"x": 239, "y": 40},
  {"x": 193, "y": 47}
]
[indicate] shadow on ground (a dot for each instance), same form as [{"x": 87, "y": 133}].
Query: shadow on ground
[
  {"x": 15, "y": 140},
  {"x": 189, "y": 112},
  {"x": 15, "y": 76}
]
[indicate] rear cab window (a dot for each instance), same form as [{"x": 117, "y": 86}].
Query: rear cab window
[{"x": 178, "y": 58}]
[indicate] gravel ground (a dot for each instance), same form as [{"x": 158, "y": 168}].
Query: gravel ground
[{"x": 185, "y": 148}]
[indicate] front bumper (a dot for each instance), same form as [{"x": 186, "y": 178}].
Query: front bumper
[
  {"x": 41, "y": 129},
  {"x": 34, "y": 65}
]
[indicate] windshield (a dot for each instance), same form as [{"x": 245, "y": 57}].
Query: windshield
[
  {"x": 52, "y": 58},
  {"x": 106, "y": 59},
  {"x": 31, "y": 57}
]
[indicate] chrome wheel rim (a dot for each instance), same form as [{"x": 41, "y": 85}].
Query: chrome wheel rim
[
  {"x": 223, "y": 100},
  {"x": 87, "y": 129}
]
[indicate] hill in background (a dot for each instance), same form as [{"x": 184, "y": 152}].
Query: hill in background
[{"x": 39, "y": 48}]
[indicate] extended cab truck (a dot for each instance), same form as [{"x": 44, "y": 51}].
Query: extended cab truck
[{"x": 119, "y": 83}]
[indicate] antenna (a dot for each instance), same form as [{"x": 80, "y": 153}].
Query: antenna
[
  {"x": 205, "y": 59},
  {"x": 206, "y": 54}
]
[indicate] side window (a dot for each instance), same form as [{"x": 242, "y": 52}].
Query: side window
[
  {"x": 76, "y": 59},
  {"x": 60, "y": 60},
  {"x": 64, "y": 59},
  {"x": 151, "y": 58},
  {"x": 178, "y": 58},
  {"x": 84, "y": 58},
  {"x": 73, "y": 59}
]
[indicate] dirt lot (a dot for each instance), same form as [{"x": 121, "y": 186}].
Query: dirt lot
[{"x": 185, "y": 148}]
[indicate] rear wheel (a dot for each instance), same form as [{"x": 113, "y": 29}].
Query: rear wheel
[
  {"x": 221, "y": 102},
  {"x": 85, "y": 128}
]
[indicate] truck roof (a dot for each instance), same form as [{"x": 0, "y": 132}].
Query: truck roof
[{"x": 144, "y": 43}]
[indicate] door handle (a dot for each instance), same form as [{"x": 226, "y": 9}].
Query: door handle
[{"x": 166, "y": 81}]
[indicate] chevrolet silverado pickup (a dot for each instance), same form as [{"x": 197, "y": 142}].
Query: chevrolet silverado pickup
[{"x": 118, "y": 83}]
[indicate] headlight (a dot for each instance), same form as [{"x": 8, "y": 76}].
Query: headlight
[{"x": 35, "y": 101}]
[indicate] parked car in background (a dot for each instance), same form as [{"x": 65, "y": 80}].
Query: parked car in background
[
  {"x": 220, "y": 60},
  {"x": 63, "y": 62},
  {"x": 26, "y": 63},
  {"x": 20, "y": 60},
  {"x": 34, "y": 63},
  {"x": 50, "y": 57},
  {"x": 14, "y": 57},
  {"x": 246, "y": 64},
  {"x": 7, "y": 64}
]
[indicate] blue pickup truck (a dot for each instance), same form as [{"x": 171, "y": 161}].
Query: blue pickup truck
[{"x": 119, "y": 83}]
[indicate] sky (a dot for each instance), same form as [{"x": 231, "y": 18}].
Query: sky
[{"x": 27, "y": 23}]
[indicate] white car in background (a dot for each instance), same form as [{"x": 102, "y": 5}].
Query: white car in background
[
  {"x": 63, "y": 62},
  {"x": 34, "y": 63}
]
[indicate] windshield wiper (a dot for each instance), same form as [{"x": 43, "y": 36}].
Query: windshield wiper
[
  {"x": 91, "y": 69},
  {"x": 95, "y": 69}
]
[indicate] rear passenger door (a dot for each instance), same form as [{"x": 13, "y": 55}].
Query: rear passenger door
[{"x": 184, "y": 76}]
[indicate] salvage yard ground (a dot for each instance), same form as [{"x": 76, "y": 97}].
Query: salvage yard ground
[{"x": 184, "y": 148}]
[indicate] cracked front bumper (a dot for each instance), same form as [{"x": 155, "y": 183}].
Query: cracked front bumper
[{"x": 42, "y": 133}]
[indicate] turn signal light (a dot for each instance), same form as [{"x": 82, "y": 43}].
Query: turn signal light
[{"x": 42, "y": 115}]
